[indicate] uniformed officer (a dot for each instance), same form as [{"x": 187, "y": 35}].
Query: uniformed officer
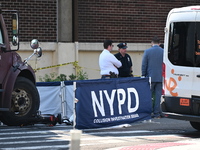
[{"x": 126, "y": 69}]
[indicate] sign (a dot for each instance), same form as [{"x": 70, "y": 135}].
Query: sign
[
  {"x": 110, "y": 102},
  {"x": 184, "y": 102}
]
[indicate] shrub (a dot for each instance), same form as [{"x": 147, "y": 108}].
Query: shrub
[{"x": 53, "y": 77}]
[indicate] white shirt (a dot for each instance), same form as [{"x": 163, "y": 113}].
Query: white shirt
[{"x": 108, "y": 62}]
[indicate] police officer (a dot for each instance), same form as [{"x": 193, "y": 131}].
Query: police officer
[{"x": 126, "y": 69}]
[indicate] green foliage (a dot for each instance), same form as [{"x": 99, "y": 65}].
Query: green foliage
[
  {"x": 72, "y": 77},
  {"x": 80, "y": 76},
  {"x": 53, "y": 77}
]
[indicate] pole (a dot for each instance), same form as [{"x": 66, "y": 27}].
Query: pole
[{"x": 75, "y": 139}]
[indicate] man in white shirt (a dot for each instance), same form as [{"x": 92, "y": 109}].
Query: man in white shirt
[{"x": 108, "y": 63}]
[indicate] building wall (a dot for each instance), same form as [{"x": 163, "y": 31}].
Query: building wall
[
  {"x": 120, "y": 20},
  {"x": 132, "y": 21},
  {"x": 74, "y": 30},
  {"x": 38, "y": 19},
  {"x": 65, "y": 21},
  {"x": 87, "y": 55}
]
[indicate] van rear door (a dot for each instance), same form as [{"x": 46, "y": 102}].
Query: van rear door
[
  {"x": 179, "y": 56},
  {"x": 196, "y": 77}
]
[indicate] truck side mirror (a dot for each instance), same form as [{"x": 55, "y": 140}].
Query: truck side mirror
[
  {"x": 15, "y": 40},
  {"x": 34, "y": 44},
  {"x": 38, "y": 52},
  {"x": 15, "y": 30}
]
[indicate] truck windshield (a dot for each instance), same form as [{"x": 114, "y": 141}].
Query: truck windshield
[{"x": 184, "y": 44}]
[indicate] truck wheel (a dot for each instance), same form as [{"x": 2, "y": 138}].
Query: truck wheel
[
  {"x": 24, "y": 103},
  {"x": 195, "y": 125}
]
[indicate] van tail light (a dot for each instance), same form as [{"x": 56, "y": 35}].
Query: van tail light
[
  {"x": 163, "y": 75},
  {"x": 195, "y": 8}
]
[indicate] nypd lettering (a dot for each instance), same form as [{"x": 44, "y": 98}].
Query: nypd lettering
[{"x": 121, "y": 96}]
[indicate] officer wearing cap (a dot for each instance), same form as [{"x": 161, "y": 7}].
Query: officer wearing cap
[{"x": 126, "y": 69}]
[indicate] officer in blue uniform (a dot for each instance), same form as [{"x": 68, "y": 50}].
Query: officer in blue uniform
[{"x": 126, "y": 69}]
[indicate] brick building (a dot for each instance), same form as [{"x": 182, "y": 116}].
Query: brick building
[{"x": 73, "y": 30}]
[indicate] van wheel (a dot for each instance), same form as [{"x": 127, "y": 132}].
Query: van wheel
[
  {"x": 195, "y": 125},
  {"x": 24, "y": 103}
]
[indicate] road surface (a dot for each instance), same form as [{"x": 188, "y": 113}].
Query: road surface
[{"x": 162, "y": 134}]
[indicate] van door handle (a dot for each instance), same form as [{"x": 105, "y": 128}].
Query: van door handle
[{"x": 198, "y": 76}]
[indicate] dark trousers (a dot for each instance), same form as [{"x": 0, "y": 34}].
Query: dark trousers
[{"x": 156, "y": 90}]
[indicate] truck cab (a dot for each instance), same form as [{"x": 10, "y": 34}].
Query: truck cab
[{"x": 19, "y": 98}]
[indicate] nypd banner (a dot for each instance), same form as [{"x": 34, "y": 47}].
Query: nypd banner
[{"x": 109, "y": 102}]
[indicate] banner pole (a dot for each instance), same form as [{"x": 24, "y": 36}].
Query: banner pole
[
  {"x": 63, "y": 101},
  {"x": 74, "y": 105}
]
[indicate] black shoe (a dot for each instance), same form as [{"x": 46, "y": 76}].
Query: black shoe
[
  {"x": 162, "y": 115},
  {"x": 157, "y": 117}
]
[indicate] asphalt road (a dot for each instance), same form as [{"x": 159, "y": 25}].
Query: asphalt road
[{"x": 162, "y": 134}]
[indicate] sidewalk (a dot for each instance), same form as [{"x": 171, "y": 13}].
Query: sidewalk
[{"x": 193, "y": 144}]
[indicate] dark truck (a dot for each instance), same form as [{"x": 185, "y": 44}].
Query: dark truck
[{"x": 19, "y": 98}]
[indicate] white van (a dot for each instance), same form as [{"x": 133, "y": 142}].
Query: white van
[{"x": 181, "y": 65}]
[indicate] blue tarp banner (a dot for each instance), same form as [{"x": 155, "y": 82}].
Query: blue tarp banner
[{"x": 110, "y": 102}]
